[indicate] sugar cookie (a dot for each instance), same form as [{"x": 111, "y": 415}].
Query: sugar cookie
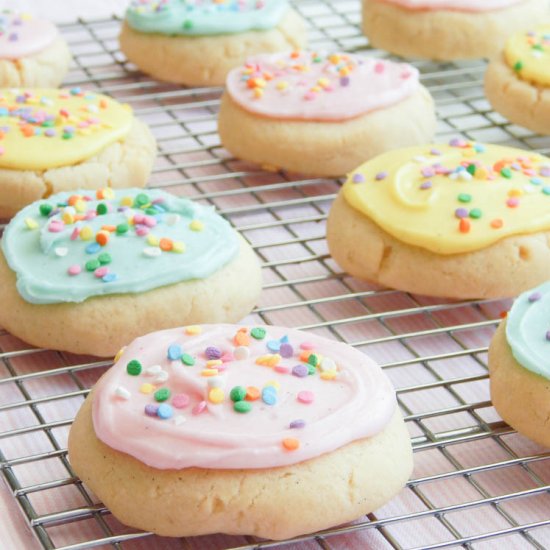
[
  {"x": 519, "y": 367},
  {"x": 447, "y": 29},
  {"x": 322, "y": 114},
  {"x": 32, "y": 53},
  {"x": 254, "y": 429},
  {"x": 463, "y": 220},
  {"x": 517, "y": 82},
  {"x": 87, "y": 271},
  {"x": 59, "y": 140},
  {"x": 197, "y": 44}
]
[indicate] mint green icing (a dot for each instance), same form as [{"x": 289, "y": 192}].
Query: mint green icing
[
  {"x": 204, "y": 17},
  {"x": 133, "y": 263},
  {"x": 527, "y": 326}
]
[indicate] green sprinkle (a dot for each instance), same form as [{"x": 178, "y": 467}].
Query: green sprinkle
[
  {"x": 101, "y": 209},
  {"x": 104, "y": 258},
  {"x": 186, "y": 359},
  {"x": 506, "y": 173},
  {"x": 151, "y": 211},
  {"x": 464, "y": 197},
  {"x": 242, "y": 406},
  {"x": 188, "y": 24},
  {"x": 162, "y": 394},
  {"x": 518, "y": 66},
  {"x": 471, "y": 169},
  {"x": 317, "y": 59},
  {"x": 238, "y": 393},
  {"x": 66, "y": 135},
  {"x": 48, "y": 123},
  {"x": 476, "y": 213},
  {"x": 134, "y": 367},
  {"x": 45, "y": 209},
  {"x": 311, "y": 370},
  {"x": 313, "y": 359},
  {"x": 141, "y": 200},
  {"x": 92, "y": 265},
  {"x": 122, "y": 228},
  {"x": 258, "y": 333}
]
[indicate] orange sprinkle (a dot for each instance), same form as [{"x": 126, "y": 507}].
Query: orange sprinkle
[
  {"x": 304, "y": 356},
  {"x": 102, "y": 237},
  {"x": 110, "y": 228},
  {"x": 252, "y": 393},
  {"x": 78, "y": 217},
  {"x": 464, "y": 225},
  {"x": 497, "y": 224},
  {"x": 503, "y": 314},
  {"x": 166, "y": 244},
  {"x": 291, "y": 444},
  {"x": 295, "y": 55},
  {"x": 241, "y": 338},
  {"x": 103, "y": 104}
]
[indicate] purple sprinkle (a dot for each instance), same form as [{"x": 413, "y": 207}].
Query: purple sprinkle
[
  {"x": 344, "y": 81},
  {"x": 461, "y": 213},
  {"x": 548, "y": 335},
  {"x": 535, "y": 297},
  {"x": 428, "y": 172},
  {"x": 426, "y": 185},
  {"x": 151, "y": 410},
  {"x": 515, "y": 166},
  {"x": 358, "y": 178},
  {"x": 13, "y": 37},
  {"x": 301, "y": 371},
  {"x": 381, "y": 176},
  {"x": 286, "y": 350},
  {"x": 297, "y": 424},
  {"x": 545, "y": 171},
  {"x": 435, "y": 152},
  {"x": 50, "y": 132},
  {"x": 213, "y": 352},
  {"x": 456, "y": 142}
]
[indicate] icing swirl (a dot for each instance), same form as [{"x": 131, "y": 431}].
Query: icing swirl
[
  {"x": 528, "y": 330},
  {"x": 220, "y": 396},
  {"x": 72, "y": 246},
  {"x": 204, "y": 17},
  {"x": 528, "y": 53},
  {"x": 454, "y": 198},
  {"x": 455, "y": 5},
  {"x": 47, "y": 128},
  {"x": 22, "y": 35},
  {"x": 312, "y": 86}
]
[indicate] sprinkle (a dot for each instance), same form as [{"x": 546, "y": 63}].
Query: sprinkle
[
  {"x": 241, "y": 353},
  {"x": 327, "y": 364},
  {"x": 123, "y": 393},
  {"x": 134, "y": 367},
  {"x": 241, "y": 338},
  {"x": 212, "y": 352},
  {"x": 162, "y": 394},
  {"x": 464, "y": 226},
  {"x": 74, "y": 270},
  {"x": 461, "y": 213},
  {"x": 306, "y": 397},
  {"x": 269, "y": 396},
  {"x": 153, "y": 370},
  {"x": 258, "y": 333},
  {"x": 476, "y": 213},
  {"x": 146, "y": 388},
  {"x": 238, "y": 393},
  {"x": 161, "y": 377},
  {"x": 242, "y": 407},
  {"x": 358, "y": 178},
  {"x": 381, "y": 176},
  {"x": 152, "y": 252},
  {"x": 548, "y": 335},
  {"x": 464, "y": 197},
  {"x": 199, "y": 407},
  {"x": 165, "y": 411},
  {"x": 209, "y": 372},
  {"x": 328, "y": 375},
  {"x": 216, "y": 381},
  {"x": 297, "y": 424},
  {"x": 274, "y": 346},
  {"x": 534, "y": 297},
  {"x": 301, "y": 371},
  {"x": 291, "y": 444},
  {"x": 61, "y": 251},
  {"x": 497, "y": 223},
  {"x": 252, "y": 393},
  {"x": 286, "y": 350},
  {"x": 187, "y": 359},
  {"x": 45, "y": 209},
  {"x": 426, "y": 185},
  {"x": 151, "y": 410},
  {"x": 193, "y": 330},
  {"x": 196, "y": 225},
  {"x": 180, "y": 401},
  {"x": 174, "y": 352},
  {"x": 512, "y": 202},
  {"x": 216, "y": 396}
]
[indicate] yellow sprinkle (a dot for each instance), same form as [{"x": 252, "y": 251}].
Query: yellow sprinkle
[
  {"x": 323, "y": 82},
  {"x": 274, "y": 360},
  {"x": 84, "y": 131},
  {"x": 146, "y": 388},
  {"x": 80, "y": 205},
  {"x": 127, "y": 201},
  {"x": 515, "y": 193},
  {"x": 30, "y": 223},
  {"x": 67, "y": 218},
  {"x": 214, "y": 363},
  {"x": 119, "y": 354},
  {"x": 315, "y": 89},
  {"x": 469, "y": 152},
  {"x": 108, "y": 193},
  {"x": 258, "y": 93},
  {"x": 196, "y": 225},
  {"x": 344, "y": 71},
  {"x": 193, "y": 330},
  {"x": 481, "y": 173},
  {"x": 273, "y": 384},
  {"x": 334, "y": 59},
  {"x": 282, "y": 85},
  {"x": 178, "y": 247},
  {"x": 86, "y": 233},
  {"x": 209, "y": 372},
  {"x": 328, "y": 375},
  {"x": 260, "y": 82},
  {"x": 152, "y": 240},
  {"x": 216, "y": 395}
]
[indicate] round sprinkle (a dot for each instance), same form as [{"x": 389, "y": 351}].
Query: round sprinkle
[
  {"x": 74, "y": 270},
  {"x": 122, "y": 228},
  {"x": 212, "y": 352},
  {"x": 241, "y": 352},
  {"x": 461, "y": 213},
  {"x": 101, "y": 209},
  {"x": 141, "y": 199},
  {"x": 476, "y": 213},
  {"x": 381, "y": 176},
  {"x": 186, "y": 359},
  {"x": 165, "y": 411},
  {"x": 242, "y": 406},
  {"x": 286, "y": 350},
  {"x": 162, "y": 394},
  {"x": 92, "y": 265},
  {"x": 464, "y": 197},
  {"x": 306, "y": 397},
  {"x": 146, "y": 388},
  {"x": 216, "y": 395},
  {"x": 274, "y": 346},
  {"x": 535, "y": 297},
  {"x": 269, "y": 396},
  {"x": 174, "y": 352},
  {"x": 301, "y": 371},
  {"x": 258, "y": 333},
  {"x": 358, "y": 178},
  {"x": 134, "y": 367},
  {"x": 291, "y": 444},
  {"x": 252, "y": 393},
  {"x": 92, "y": 248},
  {"x": 180, "y": 401},
  {"x": 100, "y": 272},
  {"x": 151, "y": 410},
  {"x": 199, "y": 407},
  {"x": 238, "y": 393},
  {"x": 313, "y": 360},
  {"x": 297, "y": 424},
  {"x": 45, "y": 209},
  {"x": 104, "y": 258}
]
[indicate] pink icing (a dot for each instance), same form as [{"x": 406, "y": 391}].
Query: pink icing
[
  {"x": 454, "y": 5},
  {"x": 21, "y": 36},
  {"x": 319, "y": 87},
  {"x": 357, "y": 403}
]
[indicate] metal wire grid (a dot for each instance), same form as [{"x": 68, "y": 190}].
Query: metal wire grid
[{"x": 434, "y": 351}]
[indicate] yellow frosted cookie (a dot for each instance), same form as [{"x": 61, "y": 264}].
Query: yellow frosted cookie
[{"x": 463, "y": 220}]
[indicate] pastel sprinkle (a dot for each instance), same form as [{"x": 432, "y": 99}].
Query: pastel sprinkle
[
  {"x": 291, "y": 444},
  {"x": 535, "y": 297},
  {"x": 122, "y": 393},
  {"x": 165, "y": 411},
  {"x": 301, "y": 371},
  {"x": 306, "y": 397},
  {"x": 180, "y": 401},
  {"x": 175, "y": 352},
  {"x": 358, "y": 178},
  {"x": 199, "y": 407},
  {"x": 297, "y": 424},
  {"x": 151, "y": 410},
  {"x": 134, "y": 368}
]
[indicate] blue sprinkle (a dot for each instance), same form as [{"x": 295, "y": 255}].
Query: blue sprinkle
[
  {"x": 284, "y": 339},
  {"x": 546, "y": 190},
  {"x": 174, "y": 352},
  {"x": 535, "y": 181},
  {"x": 165, "y": 411},
  {"x": 274, "y": 346},
  {"x": 269, "y": 395},
  {"x": 92, "y": 248},
  {"x": 478, "y": 148},
  {"x": 109, "y": 277}
]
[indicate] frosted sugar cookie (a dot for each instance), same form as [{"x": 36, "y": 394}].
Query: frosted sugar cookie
[
  {"x": 447, "y": 29},
  {"x": 59, "y": 140},
  {"x": 254, "y": 429},
  {"x": 32, "y": 53},
  {"x": 517, "y": 82},
  {"x": 198, "y": 43},
  {"x": 322, "y": 114},
  {"x": 87, "y": 271},
  {"x": 463, "y": 220},
  {"x": 519, "y": 367}
]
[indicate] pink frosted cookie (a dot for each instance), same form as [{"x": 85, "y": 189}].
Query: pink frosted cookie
[
  {"x": 32, "y": 53},
  {"x": 447, "y": 29},
  {"x": 322, "y": 114},
  {"x": 243, "y": 425}
]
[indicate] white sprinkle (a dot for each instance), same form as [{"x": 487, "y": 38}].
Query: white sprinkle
[
  {"x": 241, "y": 352},
  {"x": 69, "y": 210},
  {"x": 327, "y": 364},
  {"x": 61, "y": 251},
  {"x": 180, "y": 419},
  {"x": 161, "y": 377},
  {"x": 152, "y": 252},
  {"x": 528, "y": 188},
  {"x": 123, "y": 393},
  {"x": 420, "y": 159},
  {"x": 465, "y": 175},
  {"x": 172, "y": 219},
  {"x": 153, "y": 370},
  {"x": 216, "y": 381}
]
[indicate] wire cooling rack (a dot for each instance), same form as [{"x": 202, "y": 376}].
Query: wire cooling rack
[{"x": 477, "y": 484}]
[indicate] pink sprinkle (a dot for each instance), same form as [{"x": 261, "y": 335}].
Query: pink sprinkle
[
  {"x": 74, "y": 270},
  {"x": 90, "y": 215},
  {"x": 406, "y": 75},
  {"x": 75, "y": 233},
  {"x": 306, "y": 397},
  {"x": 529, "y": 172},
  {"x": 221, "y": 367},
  {"x": 199, "y": 407},
  {"x": 306, "y": 345},
  {"x": 379, "y": 68},
  {"x": 149, "y": 221},
  {"x": 142, "y": 231},
  {"x": 138, "y": 218},
  {"x": 512, "y": 202},
  {"x": 56, "y": 226},
  {"x": 281, "y": 369},
  {"x": 227, "y": 357},
  {"x": 310, "y": 96},
  {"x": 2, "y": 150},
  {"x": 180, "y": 401},
  {"x": 101, "y": 272}
]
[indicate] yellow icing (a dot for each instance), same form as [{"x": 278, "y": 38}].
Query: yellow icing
[
  {"x": 477, "y": 195},
  {"x": 528, "y": 53},
  {"x": 47, "y": 128}
]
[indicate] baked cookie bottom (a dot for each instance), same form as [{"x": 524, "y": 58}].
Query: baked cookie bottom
[
  {"x": 504, "y": 269},
  {"x": 446, "y": 35},
  {"x": 45, "y": 69},
  {"x": 521, "y": 102},
  {"x": 206, "y": 60},
  {"x": 325, "y": 148},
  {"x": 102, "y": 325},
  {"x": 275, "y": 503},
  {"x": 521, "y": 397},
  {"x": 125, "y": 163}
]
